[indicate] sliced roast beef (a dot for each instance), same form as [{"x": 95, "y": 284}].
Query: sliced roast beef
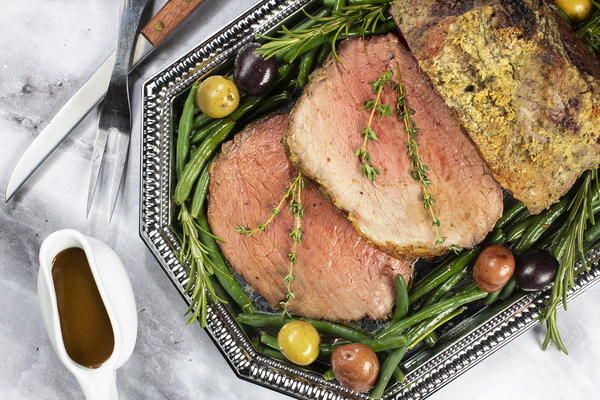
[
  {"x": 526, "y": 94},
  {"x": 338, "y": 276},
  {"x": 325, "y": 131}
]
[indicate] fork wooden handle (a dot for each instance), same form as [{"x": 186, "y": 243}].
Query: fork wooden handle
[{"x": 168, "y": 19}]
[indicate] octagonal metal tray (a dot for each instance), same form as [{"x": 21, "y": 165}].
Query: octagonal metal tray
[{"x": 462, "y": 347}]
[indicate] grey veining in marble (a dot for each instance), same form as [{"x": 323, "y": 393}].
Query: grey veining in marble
[{"x": 48, "y": 49}]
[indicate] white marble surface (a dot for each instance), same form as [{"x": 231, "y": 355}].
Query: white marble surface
[{"x": 48, "y": 49}]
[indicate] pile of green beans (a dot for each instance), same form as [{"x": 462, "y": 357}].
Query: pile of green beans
[
  {"x": 441, "y": 274},
  {"x": 468, "y": 295}
]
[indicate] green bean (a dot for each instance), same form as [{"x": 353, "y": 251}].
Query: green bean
[
  {"x": 399, "y": 375},
  {"x": 592, "y": 235},
  {"x": 542, "y": 223},
  {"x": 269, "y": 341},
  {"x": 200, "y": 192},
  {"x": 424, "y": 330},
  {"x": 324, "y": 52},
  {"x": 330, "y": 3},
  {"x": 185, "y": 129},
  {"x": 222, "y": 273},
  {"x": 317, "y": 41},
  {"x": 468, "y": 295},
  {"x": 442, "y": 292},
  {"x": 492, "y": 297},
  {"x": 278, "y": 355},
  {"x": 517, "y": 231},
  {"x": 509, "y": 215},
  {"x": 205, "y": 131},
  {"x": 338, "y": 5},
  {"x": 441, "y": 274},
  {"x": 496, "y": 236},
  {"x": 270, "y": 104},
  {"x": 428, "y": 327},
  {"x": 385, "y": 343},
  {"x": 284, "y": 71},
  {"x": 201, "y": 120},
  {"x": 401, "y": 299},
  {"x": 446, "y": 287},
  {"x": 200, "y": 157},
  {"x": 307, "y": 62},
  {"x": 264, "y": 320},
  {"x": 247, "y": 105},
  {"x": 387, "y": 370},
  {"x": 508, "y": 289},
  {"x": 522, "y": 216},
  {"x": 328, "y": 348},
  {"x": 328, "y": 375}
]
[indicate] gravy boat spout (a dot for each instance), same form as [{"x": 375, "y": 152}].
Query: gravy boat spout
[{"x": 117, "y": 296}]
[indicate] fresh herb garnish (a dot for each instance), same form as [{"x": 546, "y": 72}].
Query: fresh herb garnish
[
  {"x": 293, "y": 194},
  {"x": 356, "y": 20},
  {"x": 200, "y": 268},
  {"x": 568, "y": 246},
  {"x": 376, "y": 106},
  {"x": 418, "y": 169},
  {"x": 296, "y": 236}
]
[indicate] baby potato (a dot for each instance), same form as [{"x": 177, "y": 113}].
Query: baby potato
[
  {"x": 217, "y": 96},
  {"x": 576, "y": 10},
  {"x": 299, "y": 342},
  {"x": 355, "y": 366},
  {"x": 493, "y": 268}
]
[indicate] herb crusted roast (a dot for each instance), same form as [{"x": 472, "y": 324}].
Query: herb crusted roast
[
  {"x": 325, "y": 131},
  {"x": 524, "y": 89},
  {"x": 338, "y": 276}
]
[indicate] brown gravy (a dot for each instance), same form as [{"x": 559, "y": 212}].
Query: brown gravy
[{"x": 84, "y": 322}]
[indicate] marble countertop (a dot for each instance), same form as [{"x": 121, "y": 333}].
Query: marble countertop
[{"x": 48, "y": 50}]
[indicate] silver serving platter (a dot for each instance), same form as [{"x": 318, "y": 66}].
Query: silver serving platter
[{"x": 462, "y": 347}]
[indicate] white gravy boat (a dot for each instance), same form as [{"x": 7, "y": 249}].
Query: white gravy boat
[{"x": 116, "y": 293}]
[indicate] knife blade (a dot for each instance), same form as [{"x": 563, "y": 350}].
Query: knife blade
[
  {"x": 74, "y": 110},
  {"x": 173, "y": 13}
]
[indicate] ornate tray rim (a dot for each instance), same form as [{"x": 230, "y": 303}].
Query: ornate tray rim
[{"x": 159, "y": 91}]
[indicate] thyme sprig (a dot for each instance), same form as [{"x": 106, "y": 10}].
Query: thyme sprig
[
  {"x": 368, "y": 133},
  {"x": 296, "y": 236},
  {"x": 194, "y": 255},
  {"x": 568, "y": 246},
  {"x": 274, "y": 213},
  {"x": 418, "y": 169},
  {"x": 293, "y": 195},
  {"x": 359, "y": 19}
]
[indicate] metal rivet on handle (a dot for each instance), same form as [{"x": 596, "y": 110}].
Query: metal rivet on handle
[{"x": 159, "y": 26}]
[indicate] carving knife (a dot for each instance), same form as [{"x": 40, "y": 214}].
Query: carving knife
[{"x": 173, "y": 13}]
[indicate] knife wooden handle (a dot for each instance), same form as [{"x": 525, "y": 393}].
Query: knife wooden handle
[{"x": 168, "y": 19}]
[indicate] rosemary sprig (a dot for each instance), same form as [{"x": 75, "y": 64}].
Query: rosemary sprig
[
  {"x": 296, "y": 236},
  {"x": 194, "y": 255},
  {"x": 418, "y": 169},
  {"x": 293, "y": 194},
  {"x": 568, "y": 247},
  {"x": 376, "y": 106},
  {"x": 361, "y": 19}
]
